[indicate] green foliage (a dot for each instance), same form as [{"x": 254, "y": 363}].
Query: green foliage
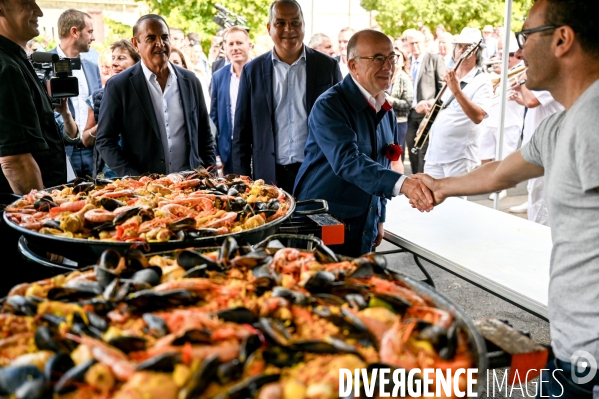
[
  {"x": 395, "y": 16},
  {"x": 196, "y": 15},
  {"x": 116, "y": 31}
]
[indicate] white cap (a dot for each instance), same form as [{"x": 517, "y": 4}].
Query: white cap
[{"x": 468, "y": 36}]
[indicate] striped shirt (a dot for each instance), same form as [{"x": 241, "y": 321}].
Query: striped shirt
[{"x": 291, "y": 116}]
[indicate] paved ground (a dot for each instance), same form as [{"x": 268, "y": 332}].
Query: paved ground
[{"x": 478, "y": 303}]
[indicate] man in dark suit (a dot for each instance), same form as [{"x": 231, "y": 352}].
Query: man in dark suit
[
  {"x": 427, "y": 77},
  {"x": 225, "y": 85},
  {"x": 76, "y": 32},
  {"x": 155, "y": 109},
  {"x": 276, "y": 93},
  {"x": 346, "y": 162}
]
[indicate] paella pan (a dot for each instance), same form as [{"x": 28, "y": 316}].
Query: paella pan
[
  {"x": 83, "y": 219},
  {"x": 266, "y": 321}
]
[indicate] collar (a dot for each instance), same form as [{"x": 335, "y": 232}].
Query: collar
[
  {"x": 470, "y": 75},
  {"x": 377, "y": 102},
  {"x": 149, "y": 74},
  {"x": 60, "y": 52},
  {"x": 275, "y": 57},
  {"x": 419, "y": 60}
]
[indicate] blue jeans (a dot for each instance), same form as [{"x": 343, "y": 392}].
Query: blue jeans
[{"x": 556, "y": 383}]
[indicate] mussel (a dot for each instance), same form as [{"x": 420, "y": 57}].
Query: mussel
[
  {"x": 44, "y": 204},
  {"x": 200, "y": 379},
  {"x": 110, "y": 204},
  {"x": 69, "y": 381},
  {"x": 319, "y": 282},
  {"x": 12, "y": 377},
  {"x": 228, "y": 250},
  {"x": 188, "y": 259},
  {"x": 182, "y": 224},
  {"x": 164, "y": 362},
  {"x": 150, "y": 275},
  {"x": 239, "y": 315},
  {"x": 34, "y": 389},
  {"x": 155, "y": 325},
  {"x": 128, "y": 343},
  {"x": 57, "y": 366}
]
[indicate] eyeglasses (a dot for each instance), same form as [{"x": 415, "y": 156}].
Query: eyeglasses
[
  {"x": 523, "y": 35},
  {"x": 379, "y": 60}
]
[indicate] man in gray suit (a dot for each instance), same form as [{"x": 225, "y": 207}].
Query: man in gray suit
[{"x": 427, "y": 77}]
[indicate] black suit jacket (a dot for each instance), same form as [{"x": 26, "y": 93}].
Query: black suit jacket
[
  {"x": 430, "y": 77},
  {"x": 127, "y": 114},
  {"x": 253, "y": 134}
]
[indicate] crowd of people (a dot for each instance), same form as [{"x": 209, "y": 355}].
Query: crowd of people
[{"x": 331, "y": 127}]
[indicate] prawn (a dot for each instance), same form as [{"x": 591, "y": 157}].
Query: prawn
[
  {"x": 120, "y": 365},
  {"x": 99, "y": 216}
]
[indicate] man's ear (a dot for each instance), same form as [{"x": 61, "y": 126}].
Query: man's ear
[
  {"x": 73, "y": 31},
  {"x": 564, "y": 40},
  {"x": 135, "y": 44}
]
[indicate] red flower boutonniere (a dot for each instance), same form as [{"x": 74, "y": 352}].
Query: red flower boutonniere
[{"x": 392, "y": 152}]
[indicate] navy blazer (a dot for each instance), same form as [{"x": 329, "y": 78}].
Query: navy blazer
[
  {"x": 253, "y": 134},
  {"x": 220, "y": 112},
  {"x": 345, "y": 164},
  {"x": 92, "y": 76},
  {"x": 127, "y": 113}
]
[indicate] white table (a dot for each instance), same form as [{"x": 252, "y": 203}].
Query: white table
[{"x": 503, "y": 254}]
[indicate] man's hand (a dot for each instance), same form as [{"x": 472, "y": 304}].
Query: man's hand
[
  {"x": 379, "y": 236},
  {"x": 422, "y": 107},
  {"x": 62, "y": 108},
  {"x": 419, "y": 194},
  {"x": 432, "y": 184},
  {"x": 452, "y": 81}
]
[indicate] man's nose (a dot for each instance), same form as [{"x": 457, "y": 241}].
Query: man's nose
[{"x": 37, "y": 10}]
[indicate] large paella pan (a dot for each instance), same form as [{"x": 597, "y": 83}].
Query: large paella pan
[
  {"x": 195, "y": 208},
  {"x": 251, "y": 322}
]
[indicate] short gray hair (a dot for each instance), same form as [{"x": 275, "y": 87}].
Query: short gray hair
[
  {"x": 272, "y": 6},
  {"x": 317, "y": 39}
]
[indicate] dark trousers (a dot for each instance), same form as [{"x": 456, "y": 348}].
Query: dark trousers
[
  {"x": 416, "y": 160},
  {"x": 557, "y": 382},
  {"x": 286, "y": 175}
]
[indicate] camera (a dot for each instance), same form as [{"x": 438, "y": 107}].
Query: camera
[
  {"x": 225, "y": 18},
  {"x": 56, "y": 74}
]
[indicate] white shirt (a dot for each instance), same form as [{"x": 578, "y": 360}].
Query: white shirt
[
  {"x": 343, "y": 67},
  {"x": 534, "y": 116},
  {"x": 79, "y": 105},
  {"x": 290, "y": 113},
  {"x": 454, "y": 136},
  {"x": 233, "y": 90},
  {"x": 171, "y": 119},
  {"x": 377, "y": 102}
]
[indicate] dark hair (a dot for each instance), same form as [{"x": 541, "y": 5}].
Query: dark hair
[
  {"x": 272, "y": 6},
  {"x": 154, "y": 17},
  {"x": 125, "y": 44},
  {"x": 404, "y": 56},
  {"x": 70, "y": 18},
  {"x": 577, "y": 14}
]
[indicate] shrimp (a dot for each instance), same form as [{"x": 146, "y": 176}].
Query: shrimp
[
  {"x": 191, "y": 284},
  {"x": 227, "y": 219},
  {"x": 99, "y": 216},
  {"x": 177, "y": 211},
  {"x": 74, "y": 206},
  {"x": 187, "y": 183},
  {"x": 120, "y": 365}
]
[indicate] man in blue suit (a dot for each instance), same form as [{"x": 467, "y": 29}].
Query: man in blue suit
[
  {"x": 76, "y": 32},
  {"x": 153, "y": 116},
  {"x": 225, "y": 86},
  {"x": 276, "y": 93},
  {"x": 350, "y": 129}
]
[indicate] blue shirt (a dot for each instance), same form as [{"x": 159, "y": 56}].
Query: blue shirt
[{"x": 291, "y": 116}]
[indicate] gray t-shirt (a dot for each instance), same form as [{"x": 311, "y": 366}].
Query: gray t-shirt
[{"x": 567, "y": 146}]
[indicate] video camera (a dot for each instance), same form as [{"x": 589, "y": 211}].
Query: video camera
[
  {"x": 225, "y": 18},
  {"x": 56, "y": 74}
]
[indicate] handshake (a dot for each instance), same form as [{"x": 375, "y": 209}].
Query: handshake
[{"x": 423, "y": 191}]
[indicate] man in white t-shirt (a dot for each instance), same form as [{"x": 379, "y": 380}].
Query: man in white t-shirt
[
  {"x": 540, "y": 104},
  {"x": 453, "y": 148}
]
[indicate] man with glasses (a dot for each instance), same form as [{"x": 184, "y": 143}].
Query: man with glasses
[
  {"x": 560, "y": 45},
  {"x": 276, "y": 93},
  {"x": 348, "y": 155},
  {"x": 427, "y": 71},
  {"x": 453, "y": 148}
]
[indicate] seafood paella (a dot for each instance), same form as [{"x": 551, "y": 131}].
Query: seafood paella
[
  {"x": 152, "y": 208},
  {"x": 232, "y": 322}
]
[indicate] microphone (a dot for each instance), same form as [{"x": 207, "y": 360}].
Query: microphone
[{"x": 42, "y": 57}]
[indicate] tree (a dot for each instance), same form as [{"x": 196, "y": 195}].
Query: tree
[
  {"x": 196, "y": 15},
  {"x": 395, "y": 16}
]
